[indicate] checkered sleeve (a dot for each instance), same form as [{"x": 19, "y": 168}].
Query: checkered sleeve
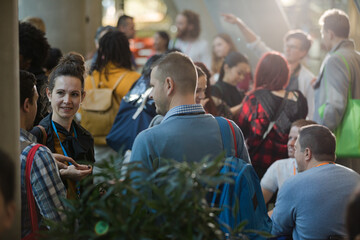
[
  {"x": 244, "y": 120},
  {"x": 47, "y": 185}
]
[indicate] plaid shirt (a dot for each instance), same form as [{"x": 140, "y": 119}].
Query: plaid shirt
[
  {"x": 46, "y": 184},
  {"x": 254, "y": 121},
  {"x": 184, "y": 109}
]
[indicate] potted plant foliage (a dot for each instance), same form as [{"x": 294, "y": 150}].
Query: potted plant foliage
[{"x": 170, "y": 203}]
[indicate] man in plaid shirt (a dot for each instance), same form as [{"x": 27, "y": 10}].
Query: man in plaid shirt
[{"x": 46, "y": 183}]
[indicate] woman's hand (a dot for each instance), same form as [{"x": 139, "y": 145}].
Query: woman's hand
[
  {"x": 61, "y": 160},
  {"x": 76, "y": 173}
]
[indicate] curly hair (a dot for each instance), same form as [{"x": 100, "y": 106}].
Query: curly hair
[
  {"x": 193, "y": 19},
  {"x": 33, "y": 44},
  {"x": 114, "y": 48}
]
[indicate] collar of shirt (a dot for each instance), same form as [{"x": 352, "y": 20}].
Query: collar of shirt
[
  {"x": 184, "y": 109},
  {"x": 26, "y": 136},
  {"x": 344, "y": 43}
]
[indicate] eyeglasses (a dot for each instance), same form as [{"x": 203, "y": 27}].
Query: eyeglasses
[{"x": 292, "y": 47}]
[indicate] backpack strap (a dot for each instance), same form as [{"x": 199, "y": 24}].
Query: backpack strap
[
  {"x": 224, "y": 125},
  {"x": 29, "y": 192},
  {"x": 119, "y": 80},
  {"x": 43, "y": 134},
  {"x": 93, "y": 81}
]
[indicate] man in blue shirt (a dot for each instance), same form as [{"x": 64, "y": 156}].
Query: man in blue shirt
[
  {"x": 186, "y": 133},
  {"x": 311, "y": 205}
]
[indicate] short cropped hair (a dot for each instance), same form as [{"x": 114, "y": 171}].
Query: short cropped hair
[
  {"x": 180, "y": 68},
  {"x": 27, "y": 83},
  {"x": 337, "y": 21},
  {"x": 193, "y": 19},
  {"x": 320, "y": 140},
  {"x": 302, "y": 36},
  {"x": 7, "y": 177},
  {"x": 122, "y": 20},
  {"x": 302, "y": 122}
]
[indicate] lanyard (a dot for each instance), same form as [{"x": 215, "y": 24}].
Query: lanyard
[
  {"x": 294, "y": 168},
  {"x": 64, "y": 151},
  {"x": 324, "y": 163},
  {"x": 62, "y": 147}
]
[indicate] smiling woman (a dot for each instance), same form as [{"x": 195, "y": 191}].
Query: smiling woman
[{"x": 60, "y": 133}]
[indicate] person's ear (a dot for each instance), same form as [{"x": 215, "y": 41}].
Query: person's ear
[
  {"x": 226, "y": 67},
  {"x": 26, "y": 105},
  {"x": 307, "y": 154},
  {"x": 331, "y": 34},
  {"x": 48, "y": 94},
  {"x": 169, "y": 85}
]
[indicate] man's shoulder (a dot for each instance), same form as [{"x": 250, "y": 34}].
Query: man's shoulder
[{"x": 42, "y": 151}]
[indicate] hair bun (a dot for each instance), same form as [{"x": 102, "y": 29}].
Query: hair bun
[{"x": 75, "y": 59}]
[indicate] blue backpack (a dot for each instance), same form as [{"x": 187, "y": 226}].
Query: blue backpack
[
  {"x": 135, "y": 114},
  {"x": 243, "y": 199}
]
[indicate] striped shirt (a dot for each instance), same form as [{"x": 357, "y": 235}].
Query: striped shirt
[{"x": 46, "y": 184}]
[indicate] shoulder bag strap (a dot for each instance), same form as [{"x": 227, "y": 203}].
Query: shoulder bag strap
[
  {"x": 43, "y": 134},
  {"x": 29, "y": 192},
  {"x": 272, "y": 123},
  {"x": 93, "y": 81},
  {"x": 119, "y": 80},
  {"x": 224, "y": 125}
]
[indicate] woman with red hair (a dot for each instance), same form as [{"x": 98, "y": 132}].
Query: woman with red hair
[{"x": 268, "y": 111}]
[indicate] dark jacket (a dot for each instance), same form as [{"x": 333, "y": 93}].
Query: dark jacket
[{"x": 80, "y": 148}]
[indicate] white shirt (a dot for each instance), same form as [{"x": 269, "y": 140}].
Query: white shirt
[
  {"x": 278, "y": 173},
  {"x": 197, "y": 50}
]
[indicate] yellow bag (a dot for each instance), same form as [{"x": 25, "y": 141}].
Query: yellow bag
[{"x": 99, "y": 109}]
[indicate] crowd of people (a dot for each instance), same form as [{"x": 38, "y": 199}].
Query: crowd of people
[{"x": 282, "y": 117}]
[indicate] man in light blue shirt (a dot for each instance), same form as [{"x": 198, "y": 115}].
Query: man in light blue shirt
[
  {"x": 311, "y": 205},
  {"x": 186, "y": 133}
]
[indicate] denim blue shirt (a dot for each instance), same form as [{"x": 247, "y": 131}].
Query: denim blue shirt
[{"x": 185, "y": 134}]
